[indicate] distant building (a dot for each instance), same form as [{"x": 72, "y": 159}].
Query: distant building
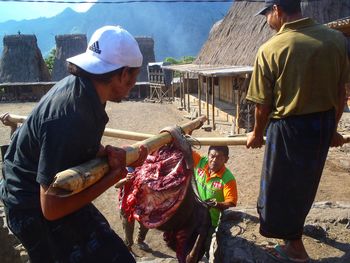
[
  {"x": 21, "y": 60},
  {"x": 66, "y": 46},
  {"x": 146, "y": 45}
]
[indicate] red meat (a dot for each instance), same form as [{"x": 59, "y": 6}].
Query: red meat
[{"x": 158, "y": 188}]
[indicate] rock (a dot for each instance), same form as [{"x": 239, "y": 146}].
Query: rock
[
  {"x": 324, "y": 225},
  {"x": 343, "y": 220},
  {"x": 324, "y": 204},
  {"x": 315, "y": 231}
]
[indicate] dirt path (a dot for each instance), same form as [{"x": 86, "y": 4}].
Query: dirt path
[{"x": 245, "y": 164}]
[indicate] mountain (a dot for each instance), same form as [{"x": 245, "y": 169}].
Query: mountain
[{"x": 178, "y": 29}]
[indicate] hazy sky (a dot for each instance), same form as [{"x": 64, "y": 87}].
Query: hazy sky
[{"x": 20, "y": 11}]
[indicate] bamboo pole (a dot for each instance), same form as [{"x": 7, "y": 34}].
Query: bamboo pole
[
  {"x": 17, "y": 118},
  {"x": 128, "y": 135},
  {"x": 138, "y": 136},
  {"x": 78, "y": 178}
]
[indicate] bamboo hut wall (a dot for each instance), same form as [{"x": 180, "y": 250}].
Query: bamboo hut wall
[
  {"x": 226, "y": 90},
  {"x": 192, "y": 85},
  {"x": 217, "y": 92}
]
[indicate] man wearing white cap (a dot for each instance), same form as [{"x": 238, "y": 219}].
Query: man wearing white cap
[{"x": 65, "y": 130}]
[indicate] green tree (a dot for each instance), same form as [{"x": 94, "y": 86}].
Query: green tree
[
  {"x": 171, "y": 60},
  {"x": 183, "y": 60},
  {"x": 49, "y": 60},
  {"x": 188, "y": 59}
]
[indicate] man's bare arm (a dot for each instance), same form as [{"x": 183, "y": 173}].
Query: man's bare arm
[
  {"x": 256, "y": 139},
  {"x": 55, "y": 207}
]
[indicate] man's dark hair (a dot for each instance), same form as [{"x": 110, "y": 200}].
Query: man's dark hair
[
  {"x": 106, "y": 77},
  {"x": 223, "y": 149},
  {"x": 291, "y": 7}
]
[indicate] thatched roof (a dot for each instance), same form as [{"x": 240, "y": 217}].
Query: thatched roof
[
  {"x": 22, "y": 61},
  {"x": 146, "y": 45},
  {"x": 325, "y": 11},
  {"x": 66, "y": 46},
  {"x": 236, "y": 40}
]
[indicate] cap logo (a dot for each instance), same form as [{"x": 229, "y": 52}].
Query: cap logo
[{"x": 95, "y": 47}]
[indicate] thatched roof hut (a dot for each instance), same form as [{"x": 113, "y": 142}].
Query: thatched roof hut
[
  {"x": 236, "y": 40},
  {"x": 146, "y": 45},
  {"x": 22, "y": 61},
  {"x": 66, "y": 46}
]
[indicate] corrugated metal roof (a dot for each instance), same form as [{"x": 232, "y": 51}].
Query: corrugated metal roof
[{"x": 210, "y": 70}]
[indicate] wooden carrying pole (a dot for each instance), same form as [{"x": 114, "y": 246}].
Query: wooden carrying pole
[
  {"x": 137, "y": 136},
  {"x": 80, "y": 177}
]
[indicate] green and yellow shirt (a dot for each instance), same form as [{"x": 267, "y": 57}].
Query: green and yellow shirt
[{"x": 220, "y": 186}]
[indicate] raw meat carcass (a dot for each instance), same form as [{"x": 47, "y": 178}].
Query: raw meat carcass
[
  {"x": 161, "y": 196},
  {"x": 158, "y": 188}
]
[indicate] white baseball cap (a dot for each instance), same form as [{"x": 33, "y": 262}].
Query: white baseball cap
[{"x": 110, "y": 48}]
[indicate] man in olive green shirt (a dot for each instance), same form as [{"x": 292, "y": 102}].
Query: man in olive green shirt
[{"x": 298, "y": 85}]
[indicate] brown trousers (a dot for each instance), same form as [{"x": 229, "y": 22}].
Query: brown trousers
[{"x": 128, "y": 228}]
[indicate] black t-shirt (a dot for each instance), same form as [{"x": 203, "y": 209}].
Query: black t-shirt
[{"x": 63, "y": 130}]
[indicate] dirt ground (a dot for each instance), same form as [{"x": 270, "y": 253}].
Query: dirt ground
[{"x": 245, "y": 164}]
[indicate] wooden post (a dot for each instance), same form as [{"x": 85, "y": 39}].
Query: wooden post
[
  {"x": 243, "y": 91},
  {"x": 237, "y": 110},
  {"x": 213, "y": 102},
  {"x": 207, "y": 100},
  {"x": 172, "y": 86},
  {"x": 199, "y": 95},
  {"x": 181, "y": 104},
  {"x": 188, "y": 92},
  {"x": 150, "y": 91},
  {"x": 183, "y": 90}
]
